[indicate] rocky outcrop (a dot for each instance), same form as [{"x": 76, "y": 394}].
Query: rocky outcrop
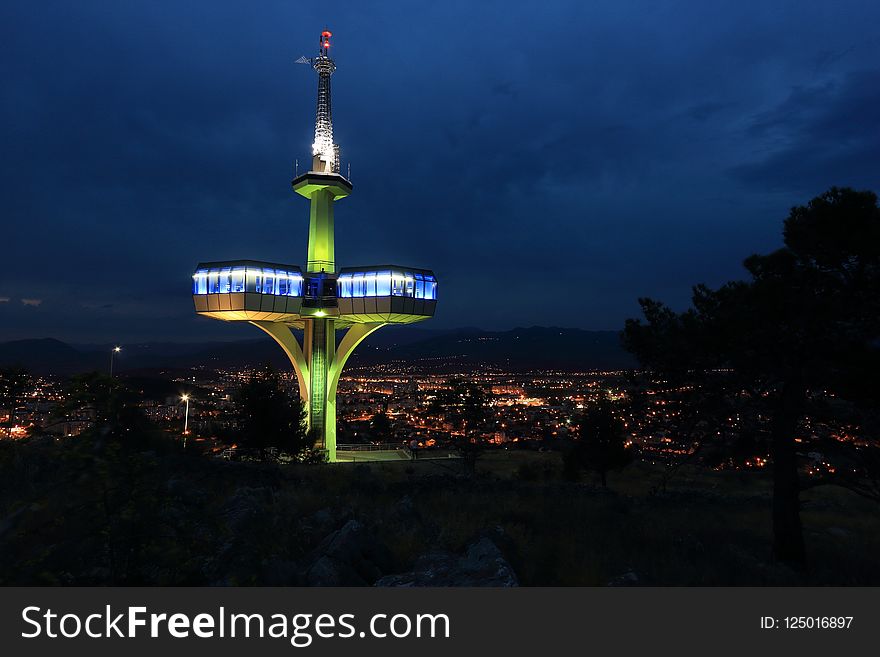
[
  {"x": 350, "y": 556},
  {"x": 482, "y": 565},
  {"x": 629, "y": 578}
]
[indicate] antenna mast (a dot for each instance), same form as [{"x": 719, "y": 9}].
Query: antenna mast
[{"x": 325, "y": 153}]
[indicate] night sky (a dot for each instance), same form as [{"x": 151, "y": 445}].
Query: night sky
[{"x": 551, "y": 161}]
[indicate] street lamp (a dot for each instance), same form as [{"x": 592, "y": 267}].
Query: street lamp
[
  {"x": 185, "y": 398},
  {"x": 113, "y": 352}
]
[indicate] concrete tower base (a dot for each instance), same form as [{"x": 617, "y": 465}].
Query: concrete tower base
[{"x": 318, "y": 369}]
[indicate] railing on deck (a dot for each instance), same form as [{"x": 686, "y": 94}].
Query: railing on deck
[{"x": 362, "y": 447}]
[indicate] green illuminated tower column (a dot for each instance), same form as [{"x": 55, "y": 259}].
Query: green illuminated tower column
[
  {"x": 319, "y": 304},
  {"x": 323, "y": 185},
  {"x": 322, "y": 256}
]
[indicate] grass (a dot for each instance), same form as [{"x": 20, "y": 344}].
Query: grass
[
  {"x": 707, "y": 528},
  {"x": 176, "y": 519}
]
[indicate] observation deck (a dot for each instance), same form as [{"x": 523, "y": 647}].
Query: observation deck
[{"x": 252, "y": 290}]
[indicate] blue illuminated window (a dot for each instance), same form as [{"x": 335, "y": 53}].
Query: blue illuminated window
[
  {"x": 237, "y": 280},
  {"x": 200, "y": 282},
  {"x": 225, "y": 281},
  {"x": 370, "y": 284},
  {"x": 344, "y": 282},
  {"x": 358, "y": 286},
  {"x": 383, "y": 284},
  {"x": 387, "y": 283},
  {"x": 398, "y": 284},
  {"x": 268, "y": 281},
  {"x": 252, "y": 280},
  {"x": 288, "y": 284}
]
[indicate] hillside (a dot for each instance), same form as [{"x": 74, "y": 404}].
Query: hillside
[{"x": 517, "y": 349}]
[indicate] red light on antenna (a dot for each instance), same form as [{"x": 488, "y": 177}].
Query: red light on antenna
[{"x": 326, "y": 33}]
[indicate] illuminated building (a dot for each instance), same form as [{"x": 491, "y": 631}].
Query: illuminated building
[{"x": 319, "y": 300}]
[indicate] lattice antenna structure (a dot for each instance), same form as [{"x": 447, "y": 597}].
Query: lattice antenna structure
[{"x": 325, "y": 153}]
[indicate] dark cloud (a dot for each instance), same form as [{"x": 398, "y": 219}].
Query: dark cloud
[
  {"x": 551, "y": 166},
  {"x": 819, "y": 135}
]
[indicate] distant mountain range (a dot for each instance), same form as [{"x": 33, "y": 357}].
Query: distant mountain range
[{"x": 517, "y": 350}]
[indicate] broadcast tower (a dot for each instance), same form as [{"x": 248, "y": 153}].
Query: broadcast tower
[{"x": 322, "y": 300}]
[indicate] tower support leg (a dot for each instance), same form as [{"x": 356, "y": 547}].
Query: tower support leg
[
  {"x": 285, "y": 338},
  {"x": 318, "y": 364}
]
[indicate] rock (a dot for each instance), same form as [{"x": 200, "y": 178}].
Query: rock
[
  {"x": 323, "y": 517},
  {"x": 329, "y": 572},
  {"x": 406, "y": 511},
  {"x": 482, "y": 565},
  {"x": 629, "y": 578},
  {"x": 350, "y": 556},
  {"x": 244, "y": 504},
  {"x": 279, "y": 572},
  {"x": 11, "y": 520},
  {"x": 405, "y": 505}
]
